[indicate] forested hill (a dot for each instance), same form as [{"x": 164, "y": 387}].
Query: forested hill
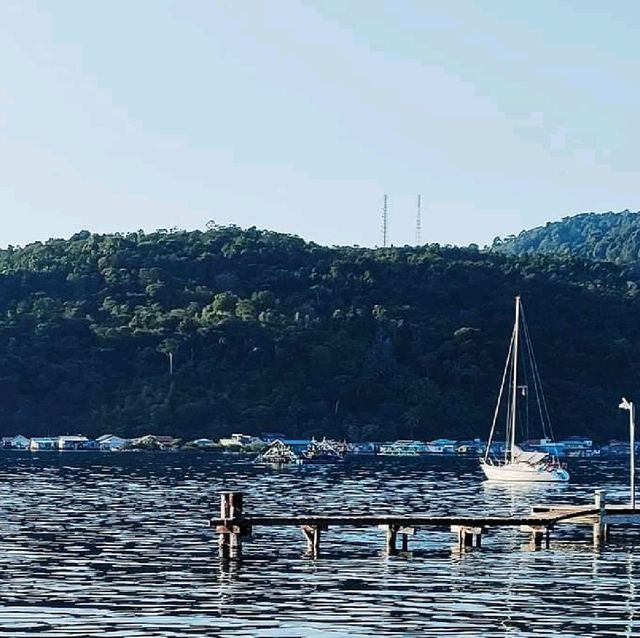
[
  {"x": 269, "y": 333},
  {"x": 611, "y": 237}
]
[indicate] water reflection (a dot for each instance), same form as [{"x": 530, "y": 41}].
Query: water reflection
[{"x": 117, "y": 545}]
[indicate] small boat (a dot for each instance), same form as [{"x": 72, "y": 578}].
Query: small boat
[
  {"x": 324, "y": 451},
  {"x": 518, "y": 464},
  {"x": 278, "y": 454}
]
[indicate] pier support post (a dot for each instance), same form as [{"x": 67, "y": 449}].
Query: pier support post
[
  {"x": 405, "y": 532},
  {"x": 468, "y": 536},
  {"x": 312, "y": 534},
  {"x": 600, "y": 526},
  {"x": 392, "y": 534},
  {"x": 540, "y": 534},
  {"x": 230, "y": 534},
  {"x": 231, "y": 504}
]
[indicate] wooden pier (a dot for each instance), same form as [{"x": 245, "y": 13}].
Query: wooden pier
[{"x": 233, "y": 525}]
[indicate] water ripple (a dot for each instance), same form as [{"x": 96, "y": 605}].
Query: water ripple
[{"x": 117, "y": 546}]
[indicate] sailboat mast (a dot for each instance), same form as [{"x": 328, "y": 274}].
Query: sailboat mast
[{"x": 516, "y": 332}]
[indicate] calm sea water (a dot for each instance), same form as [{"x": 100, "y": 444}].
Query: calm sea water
[{"x": 117, "y": 545}]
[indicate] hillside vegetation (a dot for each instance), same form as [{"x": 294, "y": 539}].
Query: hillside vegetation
[
  {"x": 613, "y": 237},
  {"x": 268, "y": 332}
]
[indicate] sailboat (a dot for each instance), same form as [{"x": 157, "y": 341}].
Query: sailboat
[{"x": 518, "y": 464}]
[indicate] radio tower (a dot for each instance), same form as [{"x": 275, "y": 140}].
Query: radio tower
[
  {"x": 384, "y": 222},
  {"x": 419, "y": 222}
]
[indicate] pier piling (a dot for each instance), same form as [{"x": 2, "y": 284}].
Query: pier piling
[
  {"x": 406, "y": 532},
  {"x": 540, "y": 534},
  {"x": 312, "y": 534},
  {"x": 390, "y": 538},
  {"x": 600, "y": 525},
  {"x": 231, "y": 529},
  {"x": 468, "y": 536}
]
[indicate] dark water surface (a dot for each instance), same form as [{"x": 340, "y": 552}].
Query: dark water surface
[{"x": 116, "y": 545}]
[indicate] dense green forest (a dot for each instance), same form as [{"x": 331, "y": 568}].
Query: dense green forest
[
  {"x": 611, "y": 237},
  {"x": 270, "y": 333}
]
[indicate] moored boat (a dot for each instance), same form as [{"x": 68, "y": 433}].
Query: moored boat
[
  {"x": 320, "y": 452},
  {"x": 278, "y": 454},
  {"x": 517, "y": 464}
]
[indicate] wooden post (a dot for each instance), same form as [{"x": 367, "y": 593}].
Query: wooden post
[
  {"x": 308, "y": 534},
  {"x": 405, "y": 532},
  {"x": 467, "y": 535},
  {"x": 312, "y": 534},
  {"x": 223, "y": 543},
  {"x": 599, "y": 526},
  {"x": 539, "y": 534},
  {"x": 391, "y": 539},
  {"x": 230, "y": 534},
  {"x": 231, "y": 505},
  {"x": 224, "y": 536}
]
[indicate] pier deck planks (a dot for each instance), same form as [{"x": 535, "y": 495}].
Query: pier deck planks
[{"x": 547, "y": 518}]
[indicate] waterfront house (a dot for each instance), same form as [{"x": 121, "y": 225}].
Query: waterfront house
[
  {"x": 362, "y": 448},
  {"x": 442, "y": 446},
  {"x": 166, "y": 442},
  {"x": 580, "y": 446},
  {"x": 43, "y": 443},
  {"x": 155, "y": 442},
  {"x": 404, "y": 448},
  {"x": 577, "y": 446},
  {"x": 270, "y": 437},
  {"x": 69, "y": 443},
  {"x": 18, "y": 442},
  {"x": 111, "y": 442},
  {"x": 240, "y": 440},
  {"x": 470, "y": 447},
  {"x": 202, "y": 443},
  {"x": 544, "y": 445}
]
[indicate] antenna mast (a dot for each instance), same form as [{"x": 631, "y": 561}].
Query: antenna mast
[
  {"x": 419, "y": 222},
  {"x": 384, "y": 222}
]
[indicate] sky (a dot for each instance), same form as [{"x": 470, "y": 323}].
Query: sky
[{"x": 299, "y": 115}]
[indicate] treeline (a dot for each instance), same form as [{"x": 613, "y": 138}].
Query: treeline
[
  {"x": 204, "y": 333},
  {"x": 613, "y": 237}
]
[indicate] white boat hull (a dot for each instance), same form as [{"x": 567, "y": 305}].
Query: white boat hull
[{"x": 522, "y": 472}]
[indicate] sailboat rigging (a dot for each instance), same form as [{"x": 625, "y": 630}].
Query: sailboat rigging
[{"x": 518, "y": 464}]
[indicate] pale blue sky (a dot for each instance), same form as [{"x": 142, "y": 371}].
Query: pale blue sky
[{"x": 298, "y": 115}]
